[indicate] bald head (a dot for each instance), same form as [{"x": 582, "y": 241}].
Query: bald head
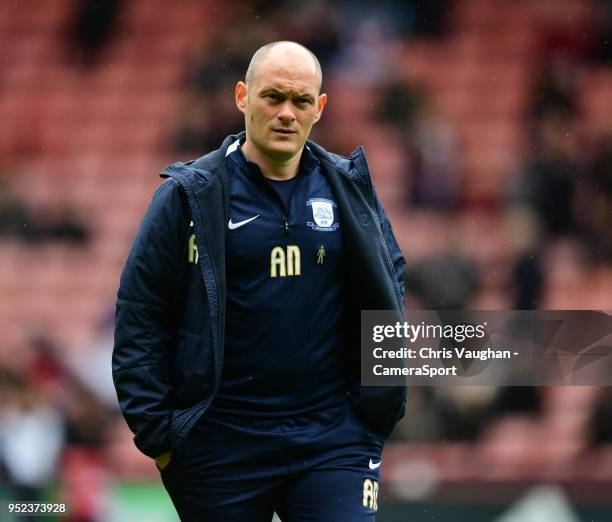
[
  {"x": 281, "y": 101},
  {"x": 283, "y": 52}
]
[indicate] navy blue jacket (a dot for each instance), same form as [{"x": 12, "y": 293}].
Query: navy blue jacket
[{"x": 169, "y": 334}]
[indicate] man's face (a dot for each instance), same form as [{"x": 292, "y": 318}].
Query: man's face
[{"x": 281, "y": 104}]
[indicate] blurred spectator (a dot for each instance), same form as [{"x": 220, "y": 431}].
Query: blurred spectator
[
  {"x": 528, "y": 281},
  {"x": 431, "y": 146},
  {"x": 548, "y": 180},
  {"x": 564, "y": 40},
  {"x": 400, "y": 104},
  {"x": 446, "y": 282},
  {"x": 31, "y": 437},
  {"x": 600, "y": 422},
  {"x": 194, "y": 131},
  {"x": 462, "y": 411},
  {"x": 428, "y": 18},
  {"x": 40, "y": 224},
  {"x": 367, "y": 53},
  {"x": 91, "y": 362},
  {"x": 85, "y": 416},
  {"x": 602, "y": 17},
  {"x": 62, "y": 224},
  {"x": 315, "y": 24},
  {"x": 92, "y": 27},
  {"x": 218, "y": 66},
  {"x": 555, "y": 91},
  {"x": 437, "y": 177},
  {"x": 208, "y": 112},
  {"x": 527, "y": 274},
  {"x": 84, "y": 486},
  {"x": 204, "y": 122},
  {"x": 87, "y": 419},
  {"x": 432, "y": 18},
  {"x": 593, "y": 203},
  {"x": 45, "y": 411},
  {"x": 15, "y": 219}
]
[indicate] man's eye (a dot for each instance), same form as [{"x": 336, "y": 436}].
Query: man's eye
[
  {"x": 303, "y": 101},
  {"x": 272, "y": 96}
]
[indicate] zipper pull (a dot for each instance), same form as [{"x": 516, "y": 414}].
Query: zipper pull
[{"x": 286, "y": 227}]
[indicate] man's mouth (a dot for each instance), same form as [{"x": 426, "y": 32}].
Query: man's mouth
[{"x": 284, "y": 131}]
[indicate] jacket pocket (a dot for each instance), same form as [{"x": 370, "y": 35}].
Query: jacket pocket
[
  {"x": 193, "y": 369},
  {"x": 381, "y": 408}
]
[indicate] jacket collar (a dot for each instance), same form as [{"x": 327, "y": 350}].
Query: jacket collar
[{"x": 354, "y": 167}]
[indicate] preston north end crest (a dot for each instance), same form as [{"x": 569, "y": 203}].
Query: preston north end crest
[{"x": 322, "y": 215}]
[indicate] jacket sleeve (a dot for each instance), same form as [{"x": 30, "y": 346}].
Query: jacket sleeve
[
  {"x": 144, "y": 320},
  {"x": 397, "y": 258}
]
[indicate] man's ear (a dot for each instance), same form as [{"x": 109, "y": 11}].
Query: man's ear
[
  {"x": 320, "y": 105},
  {"x": 241, "y": 96}
]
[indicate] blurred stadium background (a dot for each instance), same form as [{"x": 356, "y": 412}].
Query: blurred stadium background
[{"x": 488, "y": 125}]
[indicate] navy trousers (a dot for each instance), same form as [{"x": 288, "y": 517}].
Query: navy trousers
[{"x": 322, "y": 467}]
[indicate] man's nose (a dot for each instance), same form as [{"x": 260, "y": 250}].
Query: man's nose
[{"x": 286, "y": 114}]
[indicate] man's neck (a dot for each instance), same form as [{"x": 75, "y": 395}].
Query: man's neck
[{"x": 271, "y": 169}]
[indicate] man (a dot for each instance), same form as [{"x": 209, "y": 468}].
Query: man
[{"x": 236, "y": 356}]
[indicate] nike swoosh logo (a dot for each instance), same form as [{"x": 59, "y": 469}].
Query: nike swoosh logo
[
  {"x": 234, "y": 226},
  {"x": 374, "y": 466}
]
